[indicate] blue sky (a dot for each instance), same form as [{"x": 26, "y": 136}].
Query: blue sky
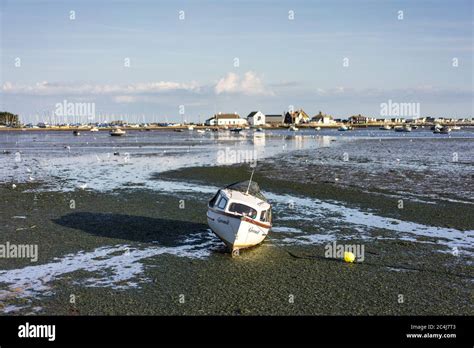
[{"x": 282, "y": 62}]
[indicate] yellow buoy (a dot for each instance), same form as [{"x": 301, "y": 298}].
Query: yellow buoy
[{"x": 348, "y": 256}]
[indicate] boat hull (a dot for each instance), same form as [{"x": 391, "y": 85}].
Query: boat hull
[{"x": 235, "y": 231}]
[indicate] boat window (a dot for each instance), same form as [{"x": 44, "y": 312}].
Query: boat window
[
  {"x": 243, "y": 209},
  {"x": 263, "y": 216},
  {"x": 214, "y": 199},
  {"x": 222, "y": 203}
]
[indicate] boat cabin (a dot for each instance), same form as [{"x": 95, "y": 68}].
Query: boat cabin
[{"x": 239, "y": 204}]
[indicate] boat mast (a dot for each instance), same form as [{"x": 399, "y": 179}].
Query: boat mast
[{"x": 250, "y": 181}]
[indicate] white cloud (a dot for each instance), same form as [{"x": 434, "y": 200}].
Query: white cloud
[
  {"x": 125, "y": 99},
  {"x": 250, "y": 84},
  {"x": 426, "y": 91},
  {"x": 228, "y": 84},
  {"x": 51, "y": 88}
]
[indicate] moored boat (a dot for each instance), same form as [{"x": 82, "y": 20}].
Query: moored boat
[
  {"x": 240, "y": 215},
  {"x": 405, "y": 128},
  {"x": 293, "y": 128},
  {"x": 236, "y": 130},
  {"x": 386, "y": 127},
  {"x": 76, "y": 133},
  {"x": 94, "y": 129},
  {"x": 117, "y": 132},
  {"x": 444, "y": 130}
]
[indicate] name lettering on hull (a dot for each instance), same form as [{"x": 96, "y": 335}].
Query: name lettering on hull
[
  {"x": 223, "y": 221},
  {"x": 254, "y": 230}
]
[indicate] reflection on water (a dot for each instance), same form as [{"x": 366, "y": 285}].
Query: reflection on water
[{"x": 104, "y": 163}]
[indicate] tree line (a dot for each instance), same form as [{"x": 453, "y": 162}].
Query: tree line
[{"x": 8, "y": 119}]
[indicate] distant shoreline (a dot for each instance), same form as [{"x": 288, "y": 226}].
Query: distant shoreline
[{"x": 195, "y": 127}]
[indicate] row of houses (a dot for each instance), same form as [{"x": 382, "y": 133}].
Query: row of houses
[
  {"x": 359, "y": 119},
  {"x": 258, "y": 118}
]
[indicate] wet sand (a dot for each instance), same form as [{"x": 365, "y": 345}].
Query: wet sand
[{"x": 163, "y": 253}]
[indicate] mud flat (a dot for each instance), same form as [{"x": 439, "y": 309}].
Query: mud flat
[{"x": 137, "y": 251}]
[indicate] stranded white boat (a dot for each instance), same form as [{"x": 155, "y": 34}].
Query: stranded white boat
[
  {"x": 94, "y": 129},
  {"x": 240, "y": 215}
]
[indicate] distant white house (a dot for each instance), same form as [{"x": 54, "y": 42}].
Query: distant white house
[
  {"x": 226, "y": 120},
  {"x": 323, "y": 119},
  {"x": 256, "y": 118},
  {"x": 360, "y": 119}
]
